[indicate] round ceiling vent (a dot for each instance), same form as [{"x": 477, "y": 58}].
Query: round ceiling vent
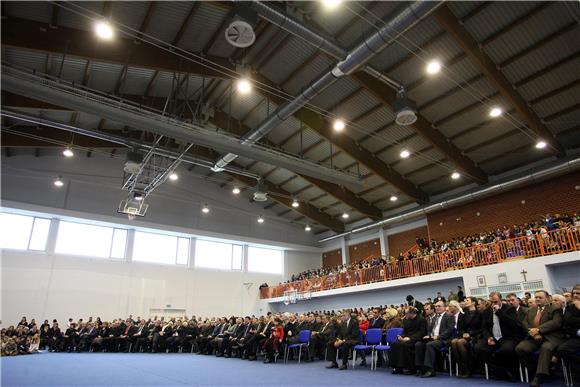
[{"x": 240, "y": 34}]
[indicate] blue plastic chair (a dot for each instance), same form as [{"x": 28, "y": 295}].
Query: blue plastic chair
[
  {"x": 303, "y": 341},
  {"x": 392, "y": 335},
  {"x": 373, "y": 338}
]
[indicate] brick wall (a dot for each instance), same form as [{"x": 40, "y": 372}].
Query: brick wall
[
  {"x": 332, "y": 258},
  {"x": 522, "y": 205},
  {"x": 364, "y": 250},
  {"x": 401, "y": 242}
]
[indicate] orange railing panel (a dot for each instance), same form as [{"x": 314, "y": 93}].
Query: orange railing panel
[{"x": 537, "y": 245}]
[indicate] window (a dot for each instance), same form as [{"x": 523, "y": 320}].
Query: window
[
  {"x": 265, "y": 260},
  {"x": 23, "y": 232},
  {"x": 90, "y": 240},
  {"x": 157, "y": 248},
  {"x": 216, "y": 255}
]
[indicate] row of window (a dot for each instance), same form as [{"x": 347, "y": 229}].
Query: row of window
[{"x": 24, "y": 232}]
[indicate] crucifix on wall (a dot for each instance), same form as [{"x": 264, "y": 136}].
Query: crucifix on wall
[{"x": 524, "y": 272}]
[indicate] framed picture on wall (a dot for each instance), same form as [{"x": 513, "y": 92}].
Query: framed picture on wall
[
  {"x": 480, "y": 281},
  {"x": 502, "y": 278}
]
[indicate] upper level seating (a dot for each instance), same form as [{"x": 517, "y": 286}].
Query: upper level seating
[{"x": 553, "y": 236}]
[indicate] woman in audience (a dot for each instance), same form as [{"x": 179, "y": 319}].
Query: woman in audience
[
  {"x": 392, "y": 319},
  {"x": 468, "y": 332},
  {"x": 363, "y": 323},
  {"x": 274, "y": 342}
]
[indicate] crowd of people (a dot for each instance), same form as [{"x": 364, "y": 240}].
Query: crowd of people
[
  {"x": 531, "y": 230},
  {"x": 495, "y": 331}
]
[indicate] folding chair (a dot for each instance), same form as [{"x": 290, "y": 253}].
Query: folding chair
[
  {"x": 373, "y": 338},
  {"x": 303, "y": 341},
  {"x": 392, "y": 335}
]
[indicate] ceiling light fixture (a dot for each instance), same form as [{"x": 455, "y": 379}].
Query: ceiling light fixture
[
  {"x": 433, "y": 67},
  {"x": 236, "y": 191},
  {"x": 455, "y": 175},
  {"x": 393, "y": 198},
  {"x": 68, "y": 152},
  {"x": 295, "y": 203},
  {"x": 404, "y": 154},
  {"x": 174, "y": 176},
  {"x": 104, "y": 30},
  {"x": 331, "y": 4},
  {"x": 260, "y": 219},
  {"x": 138, "y": 196},
  {"x": 405, "y": 109},
  {"x": 307, "y": 228},
  {"x": 244, "y": 86},
  {"x": 541, "y": 144},
  {"x": 58, "y": 182},
  {"x": 339, "y": 125},
  {"x": 205, "y": 209},
  {"x": 345, "y": 215},
  {"x": 495, "y": 112}
]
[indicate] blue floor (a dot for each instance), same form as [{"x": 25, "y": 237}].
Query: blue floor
[{"x": 111, "y": 369}]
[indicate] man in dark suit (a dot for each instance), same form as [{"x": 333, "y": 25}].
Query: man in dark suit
[
  {"x": 348, "y": 336},
  {"x": 177, "y": 337},
  {"x": 205, "y": 331},
  {"x": 401, "y": 355},
  {"x": 240, "y": 338},
  {"x": 501, "y": 332},
  {"x": 319, "y": 339},
  {"x": 142, "y": 331},
  {"x": 204, "y": 342},
  {"x": 86, "y": 337},
  {"x": 125, "y": 338},
  {"x": 375, "y": 320},
  {"x": 543, "y": 324},
  {"x": 70, "y": 338},
  {"x": 514, "y": 301},
  {"x": 440, "y": 333},
  {"x": 262, "y": 334},
  {"x": 570, "y": 349}
]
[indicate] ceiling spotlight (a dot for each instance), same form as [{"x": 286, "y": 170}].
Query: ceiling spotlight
[
  {"x": 244, "y": 86},
  {"x": 104, "y": 30},
  {"x": 58, "y": 182},
  {"x": 205, "y": 209},
  {"x": 307, "y": 228},
  {"x": 455, "y": 175},
  {"x": 433, "y": 67},
  {"x": 405, "y": 109},
  {"x": 295, "y": 203},
  {"x": 393, "y": 198},
  {"x": 331, "y": 4},
  {"x": 495, "y": 112},
  {"x": 68, "y": 152},
  {"x": 138, "y": 196},
  {"x": 339, "y": 125},
  {"x": 174, "y": 176},
  {"x": 404, "y": 154},
  {"x": 345, "y": 215},
  {"x": 260, "y": 219},
  {"x": 236, "y": 191},
  {"x": 541, "y": 144}
]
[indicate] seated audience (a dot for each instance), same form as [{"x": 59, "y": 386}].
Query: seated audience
[
  {"x": 402, "y": 353},
  {"x": 347, "y": 337}
]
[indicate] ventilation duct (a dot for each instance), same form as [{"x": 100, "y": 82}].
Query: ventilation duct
[{"x": 353, "y": 61}]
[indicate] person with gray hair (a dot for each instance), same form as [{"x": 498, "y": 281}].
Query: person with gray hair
[
  {"x": 569, "y": 351},
  {"x": 543, "y": 325},
  {"x": 559, "y": 301}
]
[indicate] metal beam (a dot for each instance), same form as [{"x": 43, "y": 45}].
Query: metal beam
[
  {"x": 425, "y": 128},
  {"x": 471, "y": 47},
  {"x": 222, "y": 120},
  {"x": 28, "y": 34}
]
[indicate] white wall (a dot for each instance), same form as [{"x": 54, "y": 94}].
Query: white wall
[
  {"x": 299, "y": 261},
  {"x": 554, "y": 272},
  {"x": 44, "y": 287}
]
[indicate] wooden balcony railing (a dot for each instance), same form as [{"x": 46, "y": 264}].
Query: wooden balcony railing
[{"x": 553, "y": 242}]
